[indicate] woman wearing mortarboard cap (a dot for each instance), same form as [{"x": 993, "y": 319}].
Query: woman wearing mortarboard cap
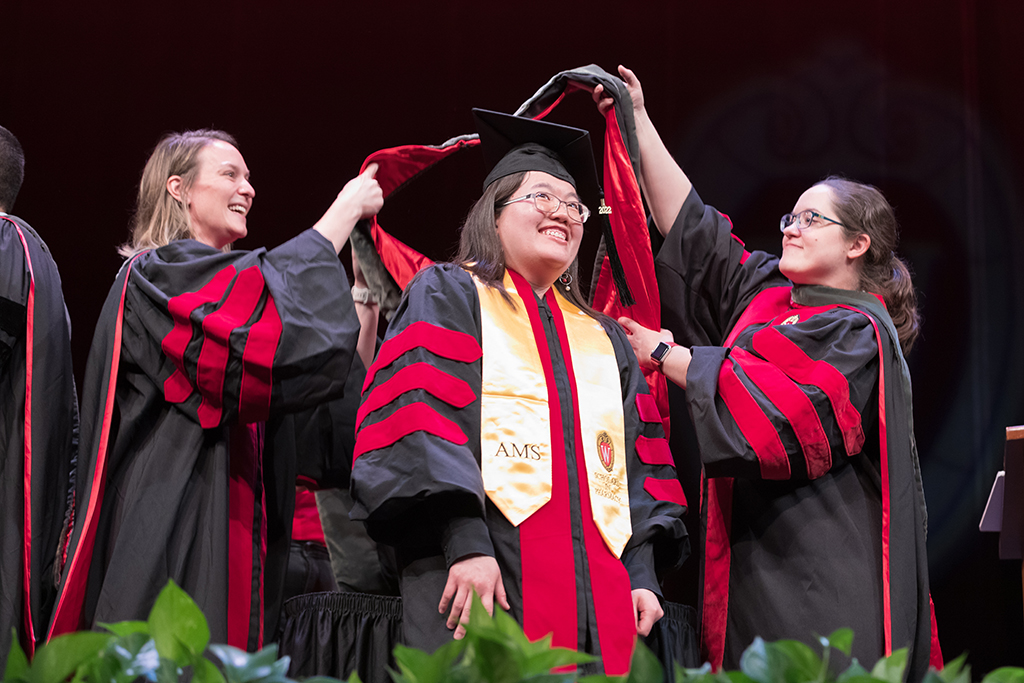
[{"x": 507, "y": 443}]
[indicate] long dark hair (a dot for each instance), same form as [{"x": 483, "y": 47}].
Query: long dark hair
[
  {"x": 863, "y": 209},
  {"x": 480, "y": 251}
]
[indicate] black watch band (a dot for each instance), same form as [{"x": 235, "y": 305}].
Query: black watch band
[{"x": 660, "y": 352}]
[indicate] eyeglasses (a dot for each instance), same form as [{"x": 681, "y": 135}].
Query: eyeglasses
[
  {"x": 549, "y": 204},
  {"x": 804, "y": 220}
]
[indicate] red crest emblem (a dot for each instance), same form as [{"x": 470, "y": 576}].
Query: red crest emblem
[{"x": 605, "y": 450}]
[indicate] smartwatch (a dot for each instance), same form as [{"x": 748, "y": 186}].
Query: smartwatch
[{"x": 660, "y": 352}]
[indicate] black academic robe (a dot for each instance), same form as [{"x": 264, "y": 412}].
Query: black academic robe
[
  {"x": 38, "y": 430},
  {"x": 800, "y": 399},
  {"x": 416, "y": 478},
  {"x": 197, "y": 355}
]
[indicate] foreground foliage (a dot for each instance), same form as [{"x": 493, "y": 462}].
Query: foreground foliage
[{"x": 174, "y": 645}]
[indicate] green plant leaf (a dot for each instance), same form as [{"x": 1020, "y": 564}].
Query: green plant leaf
[
  {"x": 243, "y": 667},
  {"x": 542, "y": 662},
  {"x": 124, "y": 628},
  {"x": 62, "y": 656},
  {"x": 205, "y": 671},
  {"x": 644, "y": 667},
  {"x": 853, "y": 672},
  {"x": 17, "y": 662},
  {"x": 1006, "y": 674},
  {"x": 416, "y": 666},
  {"x": 494, "y": 660},
  {"x": 168, "y": 671},
  {"x": 784, "y": 661},
  {"x": 891, "y": 668},
  {"x": 842, "y": 640},
  {"x": 732, "y": 677},
  {"x": 956, "y": 671},
  {"x": 754, "y": 661},
  {"x": 145, "y": 661},
  {"x": 178, "y": 626}
]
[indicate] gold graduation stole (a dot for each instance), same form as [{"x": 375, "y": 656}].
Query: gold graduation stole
[{"x": 515, "y": 427}]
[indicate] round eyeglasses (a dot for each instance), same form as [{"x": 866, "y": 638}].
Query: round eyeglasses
[
  {"x": 804, "y": 220},
  {"x": 549, "y": 204}
]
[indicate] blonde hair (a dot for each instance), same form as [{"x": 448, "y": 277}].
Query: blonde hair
[{"x": 160, "y": 218}]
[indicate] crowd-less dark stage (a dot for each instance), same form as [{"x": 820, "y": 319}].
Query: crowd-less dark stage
[{"x": 756, "y": 100}]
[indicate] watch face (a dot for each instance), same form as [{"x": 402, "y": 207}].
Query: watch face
[{"x": 659, "y": 352}]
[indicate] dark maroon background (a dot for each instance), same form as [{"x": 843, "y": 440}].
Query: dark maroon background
[{"x": 756, "y": 99}]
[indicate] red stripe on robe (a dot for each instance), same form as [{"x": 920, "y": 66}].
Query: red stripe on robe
[
  {"x": 26, "y": 548},
  {"x": 717, "y": 559},
  {"x": 795, "y": 406},
  {"x": 755, "y": 426},
  {"x": 781, "y": 351},
  {"x": 258, "y": 365},
  {"x": 665, "y": 489},
  {"x": 217, "y": 329},
  {"x": 440, "y": 341},
  {"x": 178, "y": 387},
  {"x": 609, "y": 580},
  {"x": 654, "y": 451},
  {"x": 545, "y": 543},
  {"x": 450, "y": 389},
  {"x": 246, "y": 533},
  {"x": 414, "y": 417},
  {"x": 67, "y": 614}
]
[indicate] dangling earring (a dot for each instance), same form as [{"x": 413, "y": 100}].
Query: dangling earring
[{"x": 566, "y": 279}]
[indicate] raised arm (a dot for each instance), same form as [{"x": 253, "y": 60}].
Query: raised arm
[
  {"x": 662, "y": 180},
  {"x": 360, "y": 198}
]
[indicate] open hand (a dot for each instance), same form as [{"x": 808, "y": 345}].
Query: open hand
[
  {"x": 476, "y": 572},
  {"x": 636, "y": 93}
]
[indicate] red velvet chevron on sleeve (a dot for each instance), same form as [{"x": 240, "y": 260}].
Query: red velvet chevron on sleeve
[
  {"x": 665, "y": 489},
  {"x": 403, "y": 422},
  {"x": 178, "y": 386},
  {"x": 755, "y": 426},
  {"x": 452, "y": 390},
  {"x": 795, "y": 405},
  {"x": 654, "y": 451},
  {"x": 440, "y": 341},
  {"x": 779, "y": 350}
]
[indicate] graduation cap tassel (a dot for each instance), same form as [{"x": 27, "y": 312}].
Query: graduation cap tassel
[{"x": 618, "y": 274}]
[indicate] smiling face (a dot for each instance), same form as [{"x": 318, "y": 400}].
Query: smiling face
[
  {"x": 537, "y": 246},
  {"x": 821, "y": 254},
  {"x": 220, "y": 197}
]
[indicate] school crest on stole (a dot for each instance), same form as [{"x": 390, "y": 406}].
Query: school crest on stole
[{"x": 605, "y": 450}]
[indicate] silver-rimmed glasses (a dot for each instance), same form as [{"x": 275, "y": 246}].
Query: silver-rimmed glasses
[
  {"x": 804, "y": 220},
  {"x": 548, "y": 204}
]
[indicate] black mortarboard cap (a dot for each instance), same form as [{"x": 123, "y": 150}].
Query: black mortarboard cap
[{"x": 514, "y": 143}]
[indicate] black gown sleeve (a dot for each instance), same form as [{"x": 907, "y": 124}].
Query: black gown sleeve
[
  {"x": 787, "y": 401},
  {"x": 416, "y": 475},
  {"x": 242, "y": 335},
  {"x": 705, "y": 275}
]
